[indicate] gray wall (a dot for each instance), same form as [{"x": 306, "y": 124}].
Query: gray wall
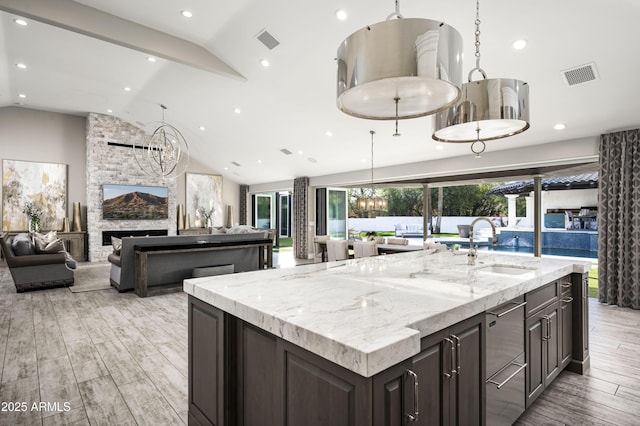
[
  {"x": 43, "y": 136},
  {"x": 47, "y": 137}
]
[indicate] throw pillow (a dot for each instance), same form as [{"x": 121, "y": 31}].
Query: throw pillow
[
  {"x": 48, "y": 237},
  {"x": 22, "y": 245},
  {"x": 117, "y": 244},
  {"x": 44, "y": 247}
]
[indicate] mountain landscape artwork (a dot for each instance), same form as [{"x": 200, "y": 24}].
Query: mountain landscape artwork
[{"x": 134, "y": 202}]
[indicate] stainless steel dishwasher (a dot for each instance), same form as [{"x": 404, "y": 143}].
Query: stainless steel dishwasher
[{"x": 505, "y": 381}]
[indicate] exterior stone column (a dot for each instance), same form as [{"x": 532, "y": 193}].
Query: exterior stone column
[
  {"x": 511, "y": 210},
  {"x": 529, "y": 217}
]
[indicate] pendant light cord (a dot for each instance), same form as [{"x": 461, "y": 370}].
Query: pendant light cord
[
  {"x": 397, "y": 100},
  {"x": 477, "y": 33}
]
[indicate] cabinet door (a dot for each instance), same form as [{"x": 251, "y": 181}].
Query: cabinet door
[
  {"x": 553, "y": 343},
  {"x": 430, "y": 367},
  {"x": 468, "y": 383},
  {"x": 389, "y": 389},
  {"x": 535, "y": 347},
  {"x": 206, "y": 364},
  {"x": 318, "y": 392}
]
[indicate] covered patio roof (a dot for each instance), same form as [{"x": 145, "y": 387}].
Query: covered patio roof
[{"x": 583, "y": 181}]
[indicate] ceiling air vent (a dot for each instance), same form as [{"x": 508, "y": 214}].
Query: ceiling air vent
[
  {"x": 581, "y": 74},
  {"x": 312, "y": 160},
  {"x": 235, "y": 163},
  {"x": 285, "y": 151},
  {"x": 267, "y": 39}
]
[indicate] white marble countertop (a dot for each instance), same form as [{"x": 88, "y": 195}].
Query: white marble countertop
[{"x": 369, "y": 314}]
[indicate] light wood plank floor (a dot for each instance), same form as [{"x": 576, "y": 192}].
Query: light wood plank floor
[{"x": 110, "y": 358}]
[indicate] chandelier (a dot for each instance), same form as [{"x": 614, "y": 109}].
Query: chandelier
[
  {"x": 489, "y": 108},
  {"x": 400, "y": 68},
  {"x": 165, "y": 153},
  {"x": 372, "y": 203}
]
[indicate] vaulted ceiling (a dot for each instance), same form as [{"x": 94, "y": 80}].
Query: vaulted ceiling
[{"x": 291, "y": 104}]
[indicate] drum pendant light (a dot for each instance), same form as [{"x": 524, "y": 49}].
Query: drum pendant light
[
  {"x": 400, "y": 68},
  {"x": 489, "y": 108}
]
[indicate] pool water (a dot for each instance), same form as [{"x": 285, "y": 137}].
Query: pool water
[{"x": 529, "y": 250}]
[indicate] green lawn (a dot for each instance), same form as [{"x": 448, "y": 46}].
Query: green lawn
[{"x": 593, "y": 282}]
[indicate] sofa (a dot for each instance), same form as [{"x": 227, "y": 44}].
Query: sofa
[
  {"x": 38, "y": 270},
  {"x": 175, "y": 267},
  {"x": 405, "y": 230}
]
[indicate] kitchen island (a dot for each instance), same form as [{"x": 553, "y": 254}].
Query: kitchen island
[{"x": 356, "y": 342}]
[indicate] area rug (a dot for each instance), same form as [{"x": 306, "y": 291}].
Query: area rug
[{"x": 91, "y": 277}]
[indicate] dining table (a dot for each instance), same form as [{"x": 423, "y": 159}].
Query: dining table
[{"x": 382, "y": 248}]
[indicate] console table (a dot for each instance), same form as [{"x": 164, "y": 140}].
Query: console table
[{"x": 144, "y": 254}]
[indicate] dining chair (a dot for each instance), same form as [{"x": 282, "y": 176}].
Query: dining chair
[
  {"x": 318, "y": 248},
  {"x": 364, "y": 249},
  {"x": 337, "y": 250}
]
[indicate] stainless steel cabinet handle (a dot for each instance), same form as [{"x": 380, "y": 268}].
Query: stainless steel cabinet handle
[
  {"x": 545, "y": 335},
  {"x": 457, "y": 339},
  {"x": 499, "y": 385},
  {"x": 451, "y": 371},
  {"x": 565, "y": 285},
  {"x": 508, "y": 311},
  {"x": 568, "y": 299},
  {"x": 548, "y": 328},
  {"x": 414, "y": 417}
]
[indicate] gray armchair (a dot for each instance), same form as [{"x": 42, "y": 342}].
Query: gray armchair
[{"x": 36, "y": 271}]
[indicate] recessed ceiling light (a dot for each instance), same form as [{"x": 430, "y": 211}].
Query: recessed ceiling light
[
  {"x": 127, "y": 89},
  {"x": 520, "y": 44},
  {"x": 341, "y": 14},
  {"x": 264, "y": 62},
  {"x": 202, "y": 128},
  {"x": 363, "y": 160},
  {"x": 259, "y": 161},
  {"x": 186, "y": 13},
  {"x": 20, "y": 21},
  {"x": 560, "y": 126},
  {"x": 300, "y": 152},
  {"x": 329, "y": 133},
  {"x": 237, "y": 110},
  {"x": 21, "y": 65},
  {"x": 22, "y": 95},
  {"x": 109, "y": 111},
  {"x": 439, "y": 147},
  {"x": 226, "y": 168},
  {"x": 151, "y": 59}
]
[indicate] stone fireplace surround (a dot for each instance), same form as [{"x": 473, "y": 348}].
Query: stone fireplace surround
[{"x": 112, "y": 164}]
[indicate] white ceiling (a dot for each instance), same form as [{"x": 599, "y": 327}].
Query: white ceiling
[{"x": 291, "y": 104}]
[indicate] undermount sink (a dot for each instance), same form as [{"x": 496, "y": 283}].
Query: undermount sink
[{"x": 506, "y": 269}]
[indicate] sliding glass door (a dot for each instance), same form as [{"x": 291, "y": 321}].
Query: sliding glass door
[
  {"x": 263, "y": 209},
  {"x": 337, "y": 213}
]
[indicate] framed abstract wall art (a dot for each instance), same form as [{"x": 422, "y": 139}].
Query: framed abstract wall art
[
  {"x": 204, "y": 200},
  {"x": 43, "y": 184}
]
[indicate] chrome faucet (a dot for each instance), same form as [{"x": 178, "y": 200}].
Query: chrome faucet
[{"x": 473, "y": 251}]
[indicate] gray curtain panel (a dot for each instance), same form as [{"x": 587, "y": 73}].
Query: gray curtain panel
[
  {"x": 619, "y": 216},
  {"x": 242, "y": 206},
  {"x": 300, "y": 217}
]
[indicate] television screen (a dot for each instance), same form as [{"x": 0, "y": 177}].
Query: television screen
[{"x": 135, "y": 202}]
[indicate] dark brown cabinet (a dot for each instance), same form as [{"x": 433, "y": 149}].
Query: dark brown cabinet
[
  {"x": 449, "y": 376},
  {"x": 240, "y": 374},
  {"x": 545, "y": 342},
  {"x": 246, "y": 376}
]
